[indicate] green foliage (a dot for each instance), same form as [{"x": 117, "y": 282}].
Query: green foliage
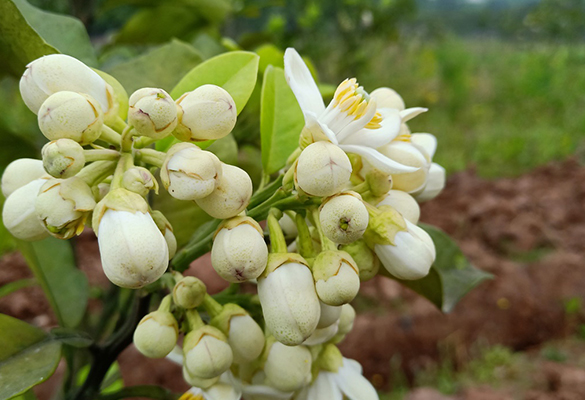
[
  {"x": 451, "y": 276},
  {"x": 120, "y": 94},
  {"x": 27, "y": 356},
  {"x": 11, "y": 287},
  {"x": 161, "y": 67},
  {"x": 281, "y": 120},
  {"x": 53, "y": 264}
]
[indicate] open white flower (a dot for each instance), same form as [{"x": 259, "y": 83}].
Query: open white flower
[
  {"x": 351, "y": 121},
  {"x": 348, "y": 381}
]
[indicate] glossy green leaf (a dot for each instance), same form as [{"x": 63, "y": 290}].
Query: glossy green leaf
[
  {"x": 11, "y": 287},
  {"x": 281, "y": 120},
  {"x": 19, "y": 42},
  {"x": 226, "y": 149},
  {"x": 235, "y": 71},
  {"x": 270, "y": 55},
  {"x": 120, "y": 93},
  {"x": 65, "y": 33},
  {"x": 27, "y": 356},
  {"x": 161, "y": 67},
  {"x": 66, "y": 287},
  {"x": 451, "y": 277},
  {"x": 72, "y": 337}
]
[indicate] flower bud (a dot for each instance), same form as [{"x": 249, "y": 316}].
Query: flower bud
[
  {"x": 346, "y": 319},
  {"x": 206, "y": 113},
  {"x": 336, "y": 277},
  {"x": 231, "y": 196},
  {"x": 321, "y": 335},
  {"x": 70, "y": 115},
  {"x": 244, "y": 335},
  {"x": 404, "y": 203},
  {"x": 58, "y": 72},
  {"x": 288, "y": 226},
  {"x": 329, "y": 315},
  {"x": 152, "y": 113},
  {"x": 407, "y": 154},
  {"x": 435, "y": 183},
  {"x": 139, "y": 180},
  {"x": 207, "y": 353},
  {"x": 156, "y": 335},
  {"x": 198, "y": 382},
  {"x": 189, "y": 173},
  {"x": 366, "y": 260},
  {"x": 20, "y": 172},
  {"x": 19, "y": 215},
  {"x": 133, "y": 250},
  {"x": 101, "y": 190},
  {"x": 239, "y": 252},
  {"x": 167, "y": 230},
  {"x": 323, "y": 169},
  {"x": 411, "y": 256},
  {"x": 387, "y": 98},
  {"x": 344, "y": 218},
  {"x": 63, "y": 206},
  {"x": 63, "y": 158},
  {"x": 189, "y": 292},
  {"x": 287, "y": 368},
  {"x": 289, "y": 302}
]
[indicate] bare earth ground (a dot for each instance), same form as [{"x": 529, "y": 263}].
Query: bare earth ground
[{"x": 527, "y": 231}]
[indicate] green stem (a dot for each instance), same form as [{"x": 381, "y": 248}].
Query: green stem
[
  {"x": 151, "y": 156},
  {"x": 304, "y": 241},
  {"x": 212, "y": 307},
  {"x": 326, "y": 243},
  {"x": 265, "y": 193},
  {"x": 109, "y": 135},
  {"x": 96, "y": 172},
  {"x": 166, "y": 303},
  {"x": 126, "y": 161},
  {"x": 101, "y": 155},
  {"x": 194, "y": 320},
  {"x": 118, "y": 124},
  {"x": 146, "y": 391},
  {"x": 362, "y": 187},
  {"x": 277, "y": 241},
  {"x": 143, "y": 141},
  {"x": 126, "y": 140}
]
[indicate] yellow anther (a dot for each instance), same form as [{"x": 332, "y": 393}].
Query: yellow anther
[
  {"x": 191, "y": 396},
  {"x": 351, "y": 99},
  {"x": 376, "y": 121},
  {"x": 405, "y": 137}
]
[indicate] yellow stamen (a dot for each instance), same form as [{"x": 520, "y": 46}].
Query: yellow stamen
[
  {"x": 405, "y": 137},
  {"x": 351, "y": 99},
  {"x": 191, "y": 396},
  {"x": 376, "y": 121}
]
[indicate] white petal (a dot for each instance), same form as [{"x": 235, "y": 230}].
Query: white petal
[
  {"x": 222, "y": 391},
  {"x": 425, "y": 142},
  {"x": 435, "y": 183},
  {"x": 302, "y": 83},
  {"x": 377, "y": 159},
  {"x": 319, "y": 130},
  {"x": 263, "y": 392},
  {"x": 354, "y": 385},
  {"x": 358, "y": 124},
  {"x": 410, "y": 113},
  {"x": 324, "y": 387},
  {"x": 390, "y": 127},
  {"x": 176, "y": 355},
  {"x": 353, "y": 365}
]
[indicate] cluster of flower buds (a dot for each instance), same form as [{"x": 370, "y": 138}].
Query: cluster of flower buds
[
  {"x": 95, "y": 169},
  {"x": 348, "y": 210}
]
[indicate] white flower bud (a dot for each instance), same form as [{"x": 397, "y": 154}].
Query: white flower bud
[
  {"x": 231, "y": 196},
  {"x": 20, "y": 172},
  {"x": 206, "y": 113},
  {"x": 156, "y": 335},
  {"x": 239, "y": 252},
  {"x": 19, "y": 215},
  {"x": 288, "y": 368},
  {"x": 289, "y": 302},
  {"x": 407, "y": 154},
  {"x": 190, "y": 173},
  {"x": 71, "y": 115},
  {"x": 412, "y": 255},
  {"x": 198, "y": 382},
  {"x": 139, "y": 180},
  {"x": 323, "y": 169},
  {"x": 152, "y": 113},
  {"x": 404, "y": 203},
  {"x": 435, "y": 183},
  {"x": 63, "y": 158},
  {"x": 288, "y": 226},
  {"x": 133, "y": 250},
  {"x": 207, "y": 353},
  {"x": 63, "y": 206},
  {"x": 329, "y": 315},
  {"x": 321, "y": 335},
  {"x": 344, "y": 218},
  {"x": 58, "y": 72},
  {"x": 189, "y": 292},
  {"x": 387, "y": 98},
  {"x": 336, "y": 277},
  {"x": 346, "y": 319},
  {"x": 245, "y": 336},
  {"x": 166, "y": 229}
]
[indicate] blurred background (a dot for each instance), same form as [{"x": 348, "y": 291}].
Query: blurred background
[{"x": 504, "y": 81}]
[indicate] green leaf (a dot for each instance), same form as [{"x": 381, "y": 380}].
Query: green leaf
[
  {"x": 270, "y": 55},
  {"x": 27, "y": 356},
  {"x": 53, "y": 264},
  {"x": 235, "y": 71},
  {"x": 11, "y": 287},
  {"x": 159, "y": 68},
  {"x": 451, "y": 277},
  {"x": 120, "y": 93},
  {"x": 19, "y": 42},
  {"x": 281, "y": 120},
  {"x": 72, "y": 337},
  {"x": 226, "y": 149},
  {"x": 67, "y": 34}
]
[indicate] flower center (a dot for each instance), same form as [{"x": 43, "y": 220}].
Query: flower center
[
  {"x": 191, "y": 396},
  {"x": 354, "y": 101}
]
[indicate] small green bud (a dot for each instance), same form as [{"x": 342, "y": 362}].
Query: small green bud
[
  {"x": 63, "y": 158},
  {"x": 330, "y": 358},
  {"x": 139, "y": 180},
  {"x": 156, "y": 334},
  {"x": 366, "y": 260},
  {"x": 379, "y": 182},
  {"x": 344, "y": 217},
  {"x": 189, "y": 292}
]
